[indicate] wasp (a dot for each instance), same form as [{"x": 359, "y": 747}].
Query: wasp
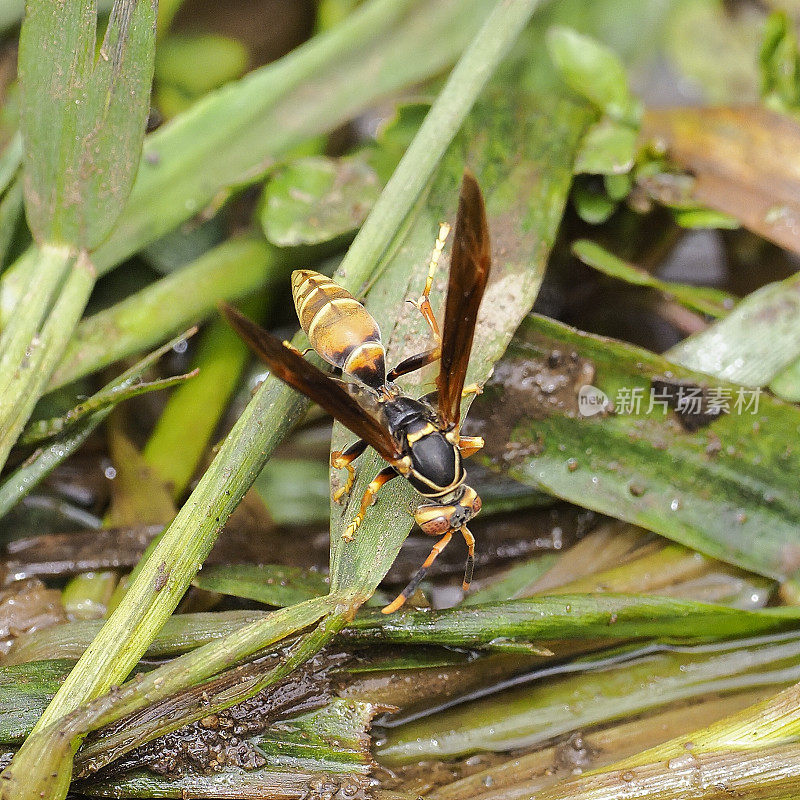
[{"x": 419, "y": 438}]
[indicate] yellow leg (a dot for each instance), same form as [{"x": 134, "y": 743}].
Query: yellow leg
[
  {"x": 472, "y": 388},
  {"x": 424, "y": 304},
  {"x": 415, "y": 581},
  {"x": 384, "y": 476},
  {"x": 343, "y": 459},
  {"x": 469, "y": 445},
  {"x": 287, "y": 343}
]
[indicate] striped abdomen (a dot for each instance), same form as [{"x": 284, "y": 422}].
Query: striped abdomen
[{"x": 339, "y": 328}]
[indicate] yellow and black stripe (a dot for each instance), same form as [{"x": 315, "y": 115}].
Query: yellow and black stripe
[{"x": 339, "y": 328}]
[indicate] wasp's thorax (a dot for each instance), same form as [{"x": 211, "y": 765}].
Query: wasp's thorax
[{"x": 431, "y": 453}]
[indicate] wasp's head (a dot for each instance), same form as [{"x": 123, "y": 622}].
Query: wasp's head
[{"x": 438, "y": 519}]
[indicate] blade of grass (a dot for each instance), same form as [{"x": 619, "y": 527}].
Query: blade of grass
[
  {"x": 571, "y": 616},
  {"x": 43, "y": 429},
  {"x": 265, "y": 583},
  {"x": 82, "y": 114},
  {"x": 235, "y": 134},
  {"x": 82, "y": 123},
  {"x": 181, "y": 633},
  {"x": 757, "y": 340},
  {"x": 187, "y": 423},
  {"x": 709, "y": 301},
  {"x": 42, "y": 346},
  {"x": 25, "y": 478},
  {"x": 605, "y": 691},
  {"x": 733, "y": 496}
]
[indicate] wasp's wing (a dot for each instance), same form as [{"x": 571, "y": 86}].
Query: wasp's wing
[
  {"x": 288, "y": 365},
  {"x": 469, "y": 271}
]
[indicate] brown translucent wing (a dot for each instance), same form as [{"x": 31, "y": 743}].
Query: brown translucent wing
[
  {"x": 293, "y": 369},
  {"x": 469, "y": 271}
]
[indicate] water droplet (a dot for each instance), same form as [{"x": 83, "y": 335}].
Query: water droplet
[
  {"x": 572, "y": 464},
  {"x": 627, "y": 776},
  {"x": 675, "y": 504},
  {"x": 110, "y": 473}
]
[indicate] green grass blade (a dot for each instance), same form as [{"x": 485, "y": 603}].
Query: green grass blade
[
  {"x": 571, "y": 616},
  {"x": 85, "y": 140},
  {"x": 757, "y": 340},
  {"x": 42, "y": 342},
  {"x": 726, "y": 489},
  {"x": 709, "y": 301},
  {"x": 184, "y": 429},
  {"x": 540, "y": 711},
  {"x": 43, "y": 429},
  {"x": 265, "y": 583}
]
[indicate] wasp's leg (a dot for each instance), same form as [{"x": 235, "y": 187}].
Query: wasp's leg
[
  {"x": 472, "y": 388},
  {"x": 470, "y": 540},
  {"x": 424, "y": 303},
  {"x": 384, "y": 476},
  {"x": 287, "y": 343},
  {"x": 469, "y": 445},
  {"x": 421, "y": 572},
  {"x": 343, "y": 459},
  {"x": 413, "y": 363}
]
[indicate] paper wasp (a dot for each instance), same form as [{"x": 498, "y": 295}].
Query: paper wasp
[{"x": 419, "y": 442}]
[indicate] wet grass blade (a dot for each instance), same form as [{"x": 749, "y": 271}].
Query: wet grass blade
[
  {"x": 85, "y": 140},
  {"x": 43, "y": 429},
  {"x": 25, "y": 691},
  {"x": 754, "y": 343},
  {"x": 571, "y": 616},
  {"x": 265, "y": 583},
  {"x": 534, "y": 714},
  {"x": 181, "y": 633},
  {"x": 725, "y": 488}
]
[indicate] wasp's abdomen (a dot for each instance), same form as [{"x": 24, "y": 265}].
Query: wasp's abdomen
[{"x": 339, "y": 328}]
